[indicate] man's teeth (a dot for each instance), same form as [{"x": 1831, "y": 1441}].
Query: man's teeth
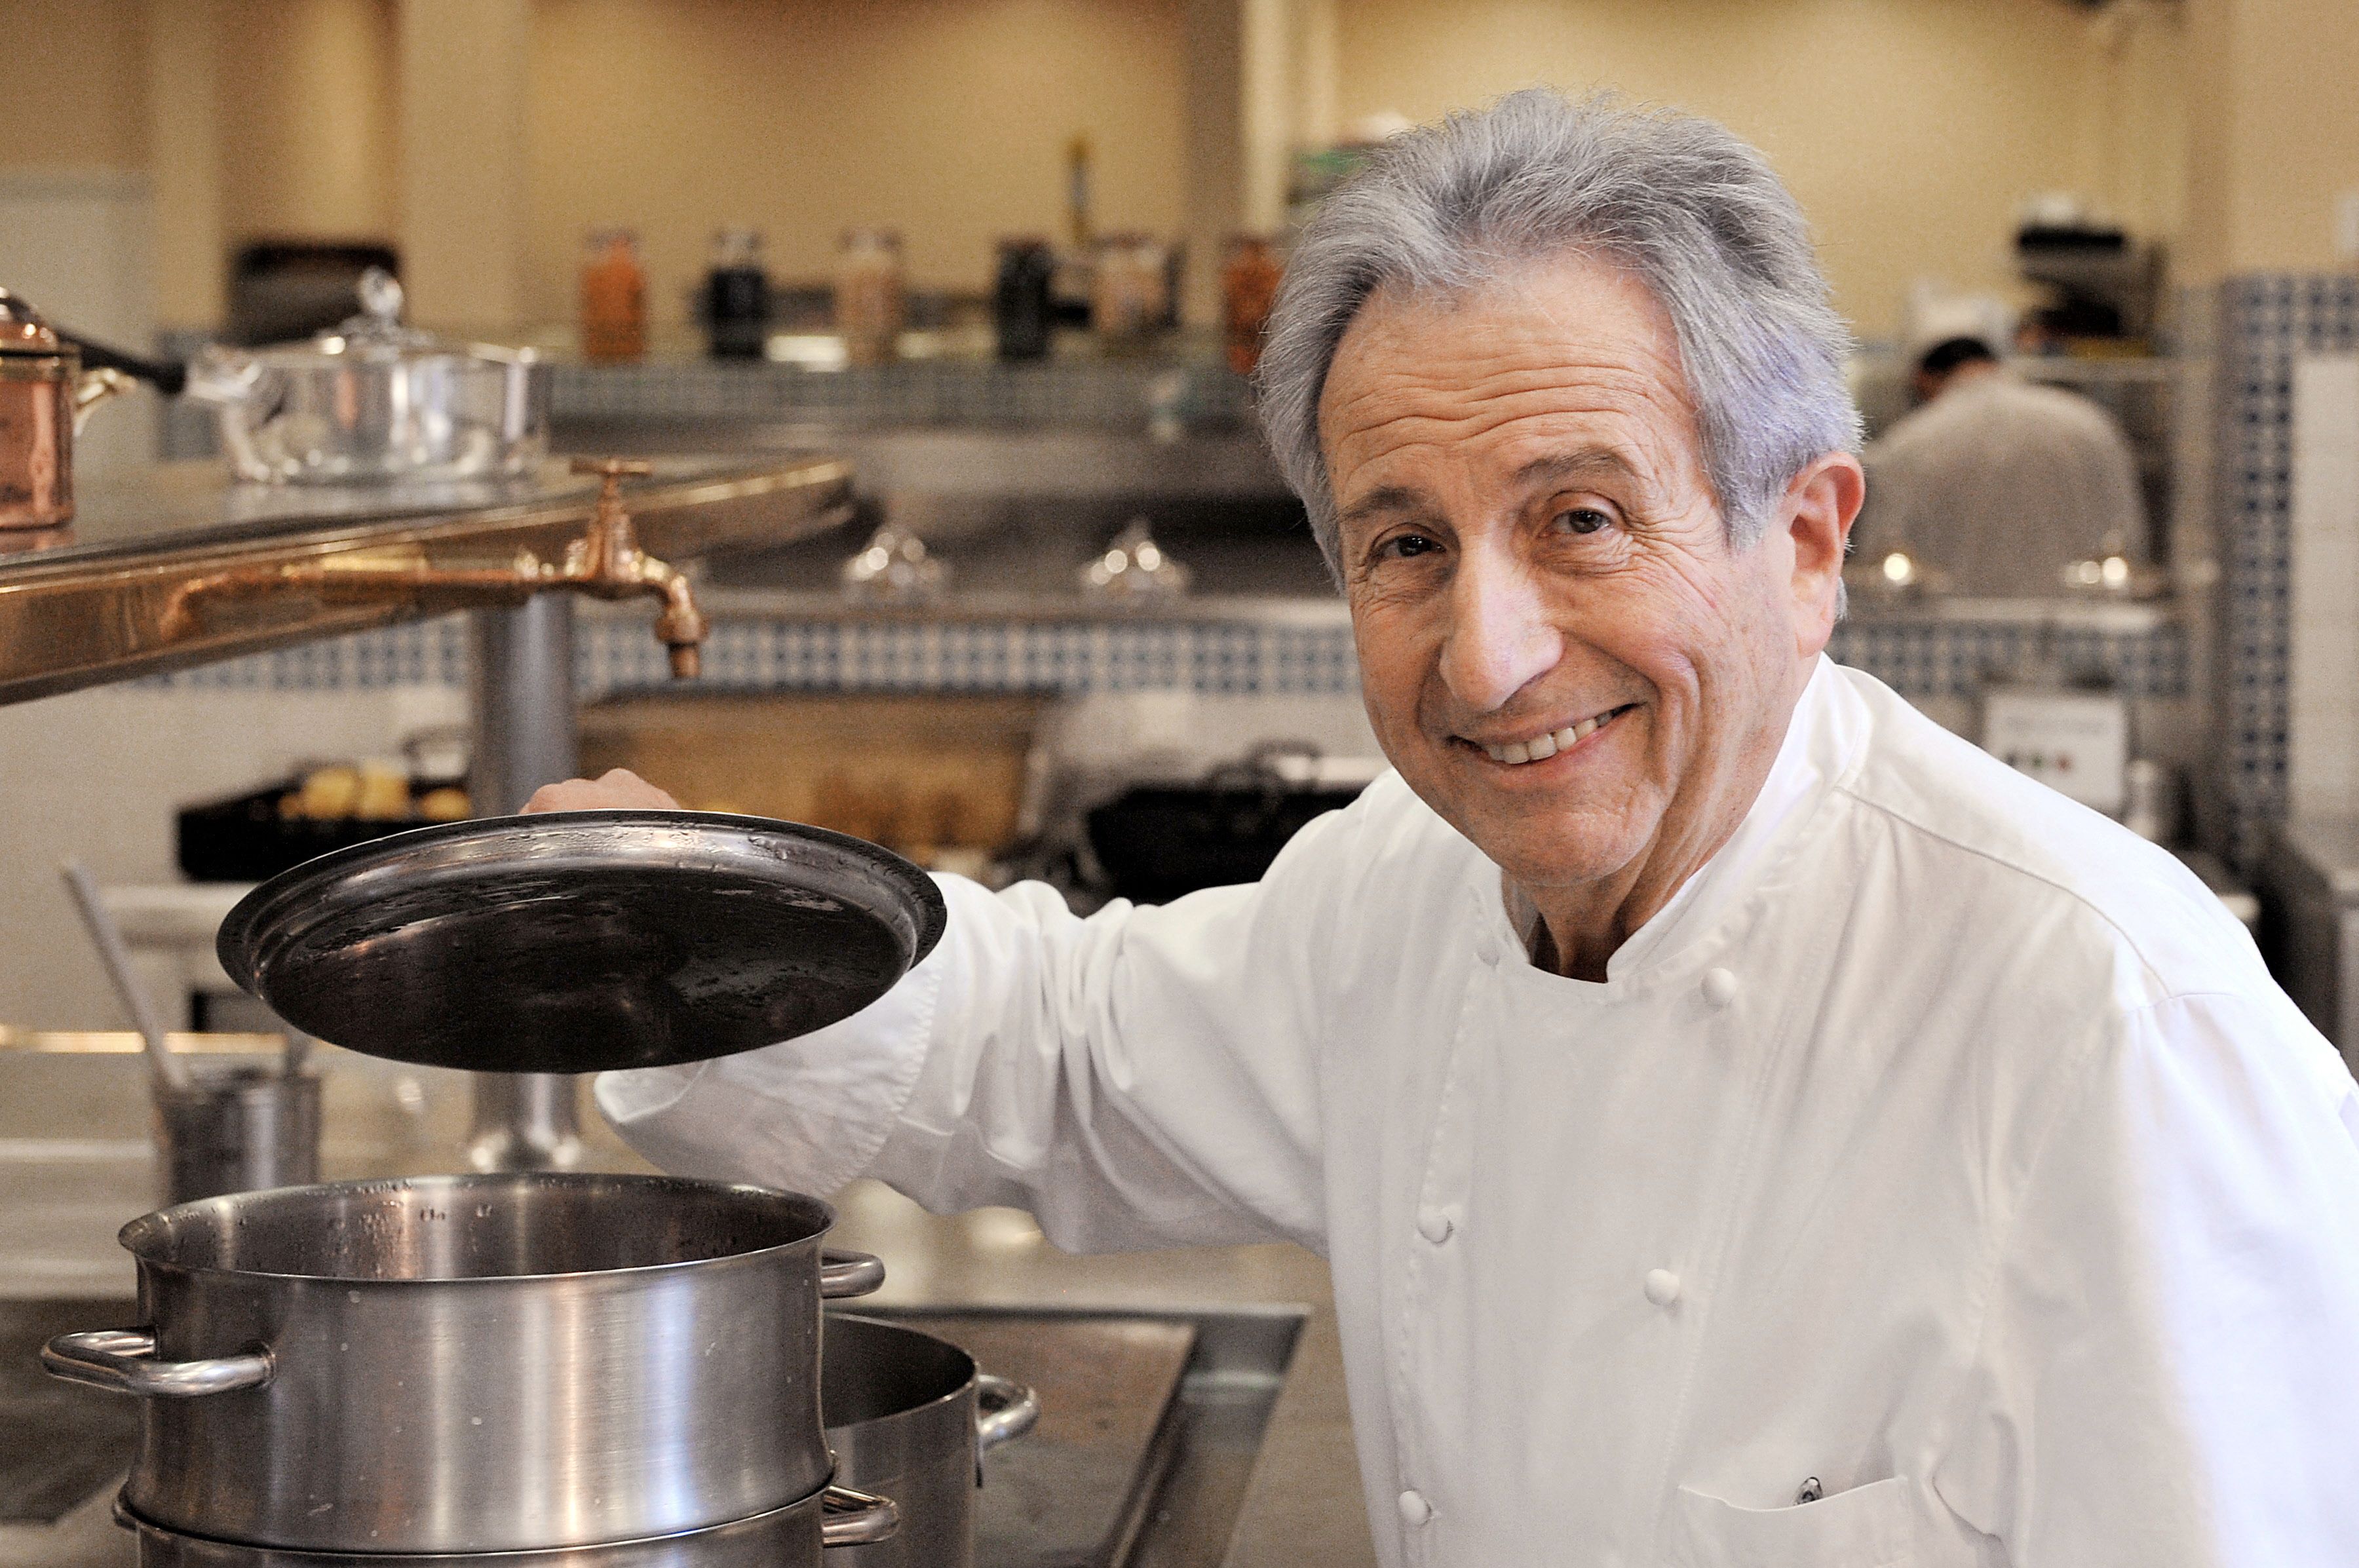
[{"x": 1546, "y": 746}]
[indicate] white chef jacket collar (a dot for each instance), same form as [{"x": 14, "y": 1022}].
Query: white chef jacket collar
[{"x": 1816, "y": 751}]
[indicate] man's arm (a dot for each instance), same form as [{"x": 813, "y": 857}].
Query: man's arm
[
  {"x": 2169, "y": 1373},
  {"x": 1146, "y": 1076}
]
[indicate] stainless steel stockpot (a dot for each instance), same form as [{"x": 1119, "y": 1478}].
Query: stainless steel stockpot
[
  {"x": 910, "y": 1415},
  {"x": 791, "y": 1537},
  {"x": 469, "y": 1364}
]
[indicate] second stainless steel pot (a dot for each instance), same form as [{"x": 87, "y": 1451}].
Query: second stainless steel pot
[
  {"x": 910, "y": 1415},
  {"x": 474, "y": 1364}
]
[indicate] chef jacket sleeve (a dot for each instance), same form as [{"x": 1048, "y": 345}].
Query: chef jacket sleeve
[
  {"x": 1145, "y": 1076},
  {"x": 2168, "y": 1372}
]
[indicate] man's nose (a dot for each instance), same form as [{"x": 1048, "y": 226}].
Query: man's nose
[{"x": 1500, "y": 638}]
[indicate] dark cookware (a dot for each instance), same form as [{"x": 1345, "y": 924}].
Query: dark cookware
[{"x": 579, "y": 942}]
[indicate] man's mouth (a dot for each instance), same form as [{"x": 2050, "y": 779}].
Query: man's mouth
[{"x": 1539, "y": 748}]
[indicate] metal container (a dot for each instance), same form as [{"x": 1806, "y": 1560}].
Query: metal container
[
  {"x": 44, "y": 394},
  {"x": 474, "y": 1363},
  {"x": 239, "y": 1129},
  {"x": 910, "y": 1415},
  {"x": 373, "y": 402},
  {"x": 791, "y": 1537}
]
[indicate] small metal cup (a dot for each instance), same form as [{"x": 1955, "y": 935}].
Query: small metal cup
[{"x": 239, "y": 1129}]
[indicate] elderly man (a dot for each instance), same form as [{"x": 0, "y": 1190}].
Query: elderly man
[{"x": 1747, "y": 1126}]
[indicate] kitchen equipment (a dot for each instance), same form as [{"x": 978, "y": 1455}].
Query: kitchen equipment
[
  {"x": 2073, "y": 741},
  {"x": 1158, "y": 842},
  {"x": 791, "y": 1537},
  {"x": 373, "y": 402},
  {"x": 910, "y": 1415},
  {"x": 1249, "y": 279},
  {"x": 1130, "y": 291},
  {"x": 1133, "y": 568},
  {"x": 237, "y": 1128},
  {"x": 474, "y": 1363},
  {"x": 580, "y": 942},
  {"x": 45, "y": 395}
]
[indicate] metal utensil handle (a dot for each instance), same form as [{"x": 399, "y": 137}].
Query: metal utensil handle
[
  {"x": 843, "y": 1274},
  {"x": 1005, "y": 1411},
  {"x": 124, "y": 1360},
  {"x": 854, "y": 1518}
]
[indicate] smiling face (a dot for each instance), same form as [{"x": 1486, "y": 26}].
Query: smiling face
[{"x": 1560, "y": 650}]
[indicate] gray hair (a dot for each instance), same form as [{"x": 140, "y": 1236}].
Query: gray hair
[{"x": 1693, "y": 212}]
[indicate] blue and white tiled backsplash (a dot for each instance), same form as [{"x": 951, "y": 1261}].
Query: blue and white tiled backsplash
[{"x": 616, "y": 653}]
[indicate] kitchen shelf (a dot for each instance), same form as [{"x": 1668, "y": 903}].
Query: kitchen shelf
[{"x": 159, "y": 572}]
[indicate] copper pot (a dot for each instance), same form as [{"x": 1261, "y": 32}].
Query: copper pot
[{"x": 45, "y": 395}]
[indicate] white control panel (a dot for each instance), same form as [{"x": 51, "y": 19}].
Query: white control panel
[{"x": 2075, "y": 742}]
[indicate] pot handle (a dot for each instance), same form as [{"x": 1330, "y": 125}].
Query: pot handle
[
  {"x": 124, "y": 1360},
  {"x": 854, "y": 1518},
  {"x": 1005, "y": 1411},
  {"x": 843, "y": 1274}
]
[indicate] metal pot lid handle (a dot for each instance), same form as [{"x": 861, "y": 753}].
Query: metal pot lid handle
[
  {"x": 1005, "y": 1411},
  {"x": 123, "y": 1360},
  {"x": 855, "y": 1519},
  {"x": 843, "y": 1274}
]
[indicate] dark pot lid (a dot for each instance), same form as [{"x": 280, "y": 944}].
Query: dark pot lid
[{"x": 581, "y": 942}]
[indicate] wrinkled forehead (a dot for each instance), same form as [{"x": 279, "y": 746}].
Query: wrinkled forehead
[{"x": 1533, "y": 345}]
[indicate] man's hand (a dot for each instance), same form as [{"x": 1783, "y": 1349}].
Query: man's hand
[{"x": 618, "y": 788}]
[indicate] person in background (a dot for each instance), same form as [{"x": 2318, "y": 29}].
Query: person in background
[
  {"x": 1746, "y": 1124},
  {"x": 1998, "y": 485}
]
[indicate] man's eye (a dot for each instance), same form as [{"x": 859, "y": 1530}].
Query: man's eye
[
  {"x": 1403, "y": 545},
  {"x": 1582, "y": 520}
]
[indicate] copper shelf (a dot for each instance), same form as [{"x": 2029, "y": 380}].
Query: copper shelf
[{"x": 111, "y": 601}]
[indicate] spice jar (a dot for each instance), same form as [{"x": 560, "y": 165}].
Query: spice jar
[
  {"x": 1248, "y": 287},
  {"x": 869, "y": 306},
  {"x": 614, "y": 297},
  {"x": 1130, "y": 291},
  {"x": 1021, "y": 303},
  {"x": 737, "y": 296}
]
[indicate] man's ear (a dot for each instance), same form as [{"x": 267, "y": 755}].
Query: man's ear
[{"x": 1820, "y": 506}]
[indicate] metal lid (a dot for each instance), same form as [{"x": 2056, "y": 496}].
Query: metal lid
[
  {"x": 375, "y": 336},
  {"x": 22, "y": 330},
  {"x": 577, "y": 942}
]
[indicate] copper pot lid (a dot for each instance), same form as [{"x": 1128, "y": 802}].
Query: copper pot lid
[
  {"x": 582, "y": 941},
  {"x": 22, "y": 330}
]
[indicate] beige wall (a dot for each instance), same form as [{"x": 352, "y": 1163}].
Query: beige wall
[
  {"x": 1909, "y": 129},
  {"x": 946, "y": 119},
  {"x": 2275, "y": 113},
  {"x": 72, "y": 98},
  {"x": 307, "y": 118}
]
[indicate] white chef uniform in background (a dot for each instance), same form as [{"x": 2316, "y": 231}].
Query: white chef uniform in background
[{"x": 1941, "y": 1141}]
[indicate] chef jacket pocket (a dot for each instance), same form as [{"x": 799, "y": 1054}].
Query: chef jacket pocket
[{"x": 1867, "y": 1527}]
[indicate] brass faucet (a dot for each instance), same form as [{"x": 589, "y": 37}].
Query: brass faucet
[{"x": 605, "y": 562}]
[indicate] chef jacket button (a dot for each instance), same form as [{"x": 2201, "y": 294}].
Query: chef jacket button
[
  {"x": 1435, "y": 1226},
  {"x": 1719, "y": 988},
  {"x": 1489, "y": 952},
  {"x": 1414, "y": 1510},
  {"x": 1662, "y": 1287}
]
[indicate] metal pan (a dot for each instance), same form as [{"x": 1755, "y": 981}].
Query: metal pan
[{"x": 582, "y": 941}]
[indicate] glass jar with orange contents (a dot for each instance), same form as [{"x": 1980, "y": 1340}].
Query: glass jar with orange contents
[{"x": 614, "y": 297}]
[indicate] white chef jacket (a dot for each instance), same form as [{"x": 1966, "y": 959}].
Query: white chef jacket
[
  {"x": 2001, "y": 484},
  {"x": 1941, "y": 1141}
]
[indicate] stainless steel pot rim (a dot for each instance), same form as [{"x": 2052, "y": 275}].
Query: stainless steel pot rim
[
  {"x": 132, "y": 1519},
  {"x": 133, "y": 1234},
  {"x": 949, "y": 1396}
]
